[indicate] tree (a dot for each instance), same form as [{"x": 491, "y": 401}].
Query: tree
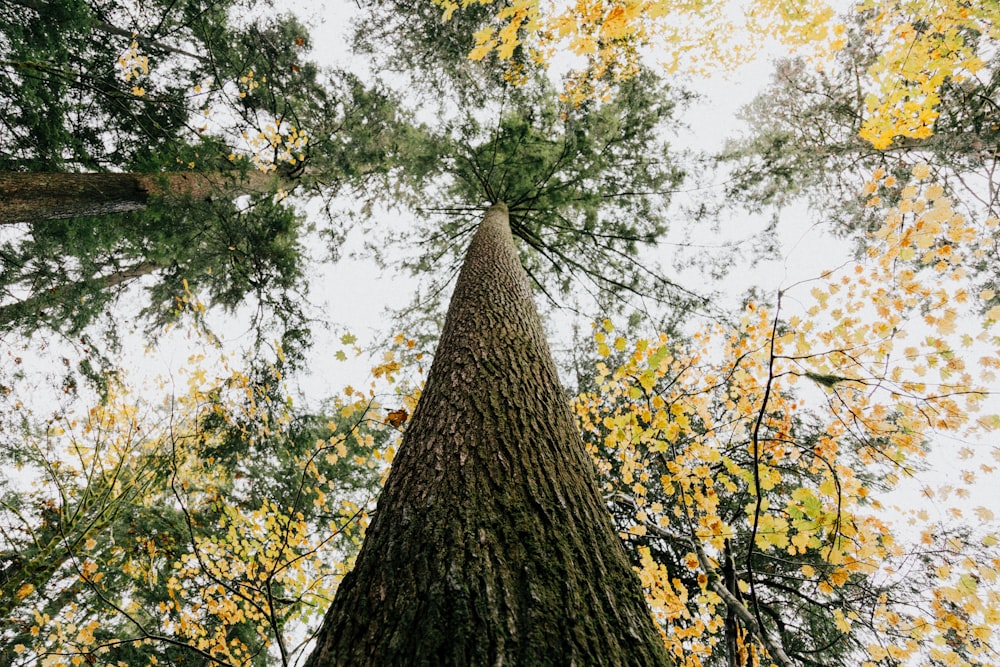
[
  {"x": 751, "y": 467},
  {"x": 62, "y": 276},
  {"x": 805, "y": 140},
  {"x": 207, "y": 529},
  {"x": 199, "y": 111},
  {"x": 588, "y": 185},
  {"x": 588, "y": 189},
  {"x": 806, "y": 144},
  {"x": 741, "y": 463},
  {"x": 67, "y": 111},
  {"x": 590, "y": 146},
  {"x": 490, "y": 544}
]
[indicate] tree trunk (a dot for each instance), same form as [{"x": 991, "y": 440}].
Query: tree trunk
[
  {"x": 33, "y": 196},
  {"x": 34, "y": 305},
  {"x": 491, "y": 545}
]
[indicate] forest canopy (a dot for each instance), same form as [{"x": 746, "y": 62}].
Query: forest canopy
[{"x": 196, "y": 431}]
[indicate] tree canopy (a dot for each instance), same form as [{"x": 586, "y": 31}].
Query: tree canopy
[
  {"x": 200, "y": 105},
  {"x": 920, "y": 45}
]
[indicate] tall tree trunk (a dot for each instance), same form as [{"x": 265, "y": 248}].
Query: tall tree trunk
[
  {"x": 34, "y": 196},
  {"x": 491, "y": 545}
]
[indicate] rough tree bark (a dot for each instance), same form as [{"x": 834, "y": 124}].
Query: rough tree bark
[
  {"x": 33, "y": 196},
  {"x": 491, "y": 545}
]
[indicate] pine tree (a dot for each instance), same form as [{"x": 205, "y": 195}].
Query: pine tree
[{"x": 490, "y": 543}]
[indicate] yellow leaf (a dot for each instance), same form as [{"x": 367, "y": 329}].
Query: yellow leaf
[
  {"x": 481, "y": 51},
  {"x": 647, "y": 380},
  {"x": 671, "y": 431},
  {"x": 801, "y": 541},
  {"x": 839, "y": 577},
  {"x": 482, "y": 36}
]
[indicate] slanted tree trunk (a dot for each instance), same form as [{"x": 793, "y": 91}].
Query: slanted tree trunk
[
  {"x": 491, "y": 545},
  {"x": 35, "y": 196},
  {"x": 34, "y": 305}
]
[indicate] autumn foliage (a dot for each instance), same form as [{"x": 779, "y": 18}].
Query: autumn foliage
[
  {"x": 922, "y": 44},
  {"x": 213, "y": 525},
  {"x": 804, "y": 482},
  {"x": 780, "y": 441}
]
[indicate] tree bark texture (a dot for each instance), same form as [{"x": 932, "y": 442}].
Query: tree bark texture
[
  {"x": 27, "y": 197},
  {"x": 491, "y": 545}
]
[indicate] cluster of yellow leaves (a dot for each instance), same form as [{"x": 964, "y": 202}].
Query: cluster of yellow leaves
[
  {"x": 812, "y": 418},
  {"x": 924, "y": 44},
  {"x": 518, "y": 16},
  {"x": 230, "y": 586},
  {"x": 267, "y": 141},
  {"x": 105, "y": 452},
  {"x": 260, "y": 567},
  {"x": 248, "y": 83},
  {"x": 961, "y": 611},
  {"x": 134, "y": 66},
  {"x": 276, "y": 143},
  {"x": 613, "y": 36}
]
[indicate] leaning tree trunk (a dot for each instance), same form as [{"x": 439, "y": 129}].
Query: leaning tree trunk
[
  {"x": 37, "y": 196},
  {"x": 491, "y": 545},
  {"x": 35, "y": 305}
]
